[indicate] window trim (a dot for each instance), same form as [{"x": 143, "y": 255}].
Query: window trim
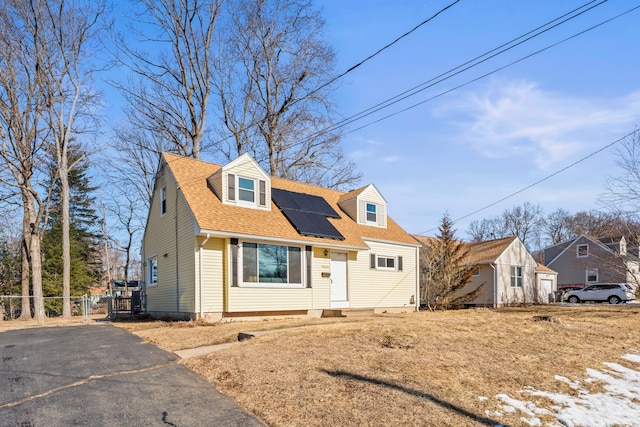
[
  {"x": 163, "y": 201},
  {"x": 240, "y": 189},
  {"x": 150, "y": 262},
  {"x": 517, "y": 280},
  {"x": 585, "y": 245},
  {"x": 374, "y": 213},
  {"x": 275, "y": 285},
  {"x": 375, "y": 260},
  {"x": 586, "y": 275}
]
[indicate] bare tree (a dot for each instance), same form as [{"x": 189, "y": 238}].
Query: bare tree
[
  {"x": 522, "y": 221},
  {"x": 271, "y": 75},
  {"x": 22, "y": 132},
  {"x": 169, "y": 96},
  {"x": 68, "y": 35}
]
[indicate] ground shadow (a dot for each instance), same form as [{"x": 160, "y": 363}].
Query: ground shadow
[{"x": 416, "y": 393}]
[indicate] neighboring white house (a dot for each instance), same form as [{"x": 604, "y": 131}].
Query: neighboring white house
[
  {"x": 230, "y": 240},
  {"x": 508, "y": 272}
]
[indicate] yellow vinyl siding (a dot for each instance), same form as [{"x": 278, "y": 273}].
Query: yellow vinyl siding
[
  {"x": 212, "y": 275},
  {"x": 371, "y": 195},
  {"x": 269, "y": 299},
  {"x": 369, "y": 288},
  {"x": 321, "y": 285},
  {"x": 160, "y": 239},
  {"x": 216, "y": 182}
]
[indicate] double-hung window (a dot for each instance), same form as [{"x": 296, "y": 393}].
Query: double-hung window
[
  {"x": 516, "y": 276},
  {"x": 592, "y": 275},
  {"x": 271, "y": 265},
  {"x": 246, "y": 190},
  {"x": 163, "y": 201},
  {"x": 372, "y": 215}
]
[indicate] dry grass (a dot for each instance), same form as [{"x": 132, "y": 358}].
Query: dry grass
[{"x": 419, "y": 369}]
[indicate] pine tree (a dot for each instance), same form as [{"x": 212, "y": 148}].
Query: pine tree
[
  {"x": 85, "y": 267},
  {"x": 445, "y": 270}
]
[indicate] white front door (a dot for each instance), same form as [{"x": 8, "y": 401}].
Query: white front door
[{"x": 339, "y": 296}]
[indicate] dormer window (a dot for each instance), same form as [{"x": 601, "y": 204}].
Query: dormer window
[
  {"x": 371, "y": 213},
  {"x": 243, "y": 190},
  {"x": 246, "y": 190}
]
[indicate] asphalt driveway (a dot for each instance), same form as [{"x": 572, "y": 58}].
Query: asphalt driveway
[{"x": 103, "y": 376}]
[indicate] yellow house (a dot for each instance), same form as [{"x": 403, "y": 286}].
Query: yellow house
[{"x": 230, "y": 241}]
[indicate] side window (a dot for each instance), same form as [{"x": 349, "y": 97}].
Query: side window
[
  {"x": 371, "y": 213},
  {"x": 163, "y": 201},
  {"x": 516, "y": 276},
  {"x": 592, "y": 275},
  {"x": 582, "y": 251},
  {"x": 152, "y": 271},
  {"x": 385, "y": 262}
]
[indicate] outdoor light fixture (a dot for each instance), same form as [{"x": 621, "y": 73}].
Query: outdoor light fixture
[{"x": 326, "y": 252}]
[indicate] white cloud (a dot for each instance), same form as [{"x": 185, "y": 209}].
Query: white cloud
[{"x": 519, "y": 118}]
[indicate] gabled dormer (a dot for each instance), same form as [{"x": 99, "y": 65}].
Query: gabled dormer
[
  {"x": 243, "y": 183},
  {"x": 365, "y": 206}
]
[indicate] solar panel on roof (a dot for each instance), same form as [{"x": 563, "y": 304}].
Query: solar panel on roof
[
  {"x": 308, "y": 214},
  {"x": 302, "y": 202}
]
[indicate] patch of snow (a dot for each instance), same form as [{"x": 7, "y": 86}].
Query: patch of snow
[
  {"x": 619, "y": 404},
  {"x": 483, "y": 398}
]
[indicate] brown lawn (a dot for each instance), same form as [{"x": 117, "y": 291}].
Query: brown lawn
[{"x": 428, "y": 369}]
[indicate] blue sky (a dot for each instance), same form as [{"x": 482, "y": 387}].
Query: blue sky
[{"x": 471, "y": 147}]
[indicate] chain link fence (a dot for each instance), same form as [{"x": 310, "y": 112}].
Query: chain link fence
[{"x": 82, "y": 308}]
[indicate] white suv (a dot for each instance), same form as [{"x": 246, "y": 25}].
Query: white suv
[{"x": 615, "y": 293}]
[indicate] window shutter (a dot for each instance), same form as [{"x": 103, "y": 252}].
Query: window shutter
[
  {"x": 231, "y": 185},
  {"x": 372, "y": 261},
  {"x": 363, "y": 212},
  {"x": 309, "y": 257},
  {"x": 234, "y": 262},
  {"x": 399, "y": 263},
  {"x": 263, "y": 193},
  {"x": 382, "y": 215}
]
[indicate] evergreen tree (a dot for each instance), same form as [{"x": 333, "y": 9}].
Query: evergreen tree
[
  {"x": 445, "y": 270},
  {"x": 9, "y": 273},
  {"x": 85, "y": 265}
]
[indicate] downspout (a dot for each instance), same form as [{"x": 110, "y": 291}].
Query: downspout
[
  {"x": 177, "y": 260},
  {"x": 495, "y": 285},
  {"x": 200, "y": 272}
]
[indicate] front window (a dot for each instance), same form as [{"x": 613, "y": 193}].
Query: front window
[
  {"x": 271, "y": 264},
  {"x": 592, "y": 275},
  {"x": 371, "y": 213},
  {"x": 246, "y": 190},
  {"x": 152, "y": 271},
  {"x": 583, "y": 251},
  {"x": 516, "y": 276}
]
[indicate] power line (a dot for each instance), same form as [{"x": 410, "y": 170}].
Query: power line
[
  {"x": 588, "y": 156},
  {"x": 496, "y": 70},
  {"x": 384, "y": 48},
  {"x": 451, "y": 73},
  {"x": 351, "y": 68}
]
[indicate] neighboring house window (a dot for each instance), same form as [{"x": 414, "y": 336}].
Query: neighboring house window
[
  {"x": 269, "y": 264},
  {"x": 371, "y": 213},
  {"x": 583, "y": 251},
  {"x": 592, "y": 275},
  {"x": 163, "y": 201},
  {"x": 476, "y": 272},
  {"x": 516, "y": 276},
  {"x": 385, "y": 262},
  {"x": 152, "y": 271}
]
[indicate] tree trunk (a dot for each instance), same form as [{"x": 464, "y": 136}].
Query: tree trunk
[
  {"x": 35, "y": 256},
  {"x": 25, "y": 312},
  {"x": 66, "y": 245}
]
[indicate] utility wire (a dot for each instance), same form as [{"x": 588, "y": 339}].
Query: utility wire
[
  {"x": 255, "y": 123},
  {"x": 588, "y": 156},
  {"x": 384, "y": 48},
  {"x": 452, "y": 72},
  {"x": 497, "y": 69}
]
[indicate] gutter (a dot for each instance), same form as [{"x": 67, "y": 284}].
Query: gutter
[{"x": 200, "y": 273}]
